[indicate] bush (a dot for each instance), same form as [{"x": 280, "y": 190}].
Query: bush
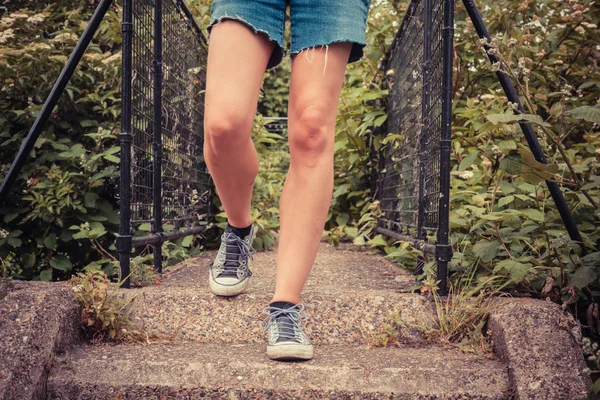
[{"x": 61, "y": 215}]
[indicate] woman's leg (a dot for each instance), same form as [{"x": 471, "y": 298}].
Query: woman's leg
[
  {"x": 304, "y": 204},
  {"x": 237, "y": 59}
]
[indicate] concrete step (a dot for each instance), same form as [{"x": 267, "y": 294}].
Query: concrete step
[
  {"x": 336, "y": 270},
  {"x": 349, "y": 298},
  {"x": 193, "y": 370}
]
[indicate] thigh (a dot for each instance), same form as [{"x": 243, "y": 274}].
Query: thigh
[
  {"x": 324, "y": 22},
  {"x": 237, "y": 58},
  {"x": 263, "y": 17}
]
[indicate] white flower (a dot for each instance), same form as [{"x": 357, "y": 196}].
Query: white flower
[
  {"x": 6, "y": 35},
  {"x": 19, "y": 16},
  {"x": 7, "y": 20},
  {"x": 64, "y": 37},
  {"x": 40, "y": 46},
  {"x": 37, "y": 18},
  {"x": 113, "y": 58},
  {"x": 466, "y": 175}
]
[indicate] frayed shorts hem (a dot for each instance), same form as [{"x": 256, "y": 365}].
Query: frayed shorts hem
[
  {"x": 313, "y": 26},
  {"x": 278, "y": 52}
]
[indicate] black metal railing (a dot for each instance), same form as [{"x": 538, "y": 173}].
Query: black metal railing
[
  {"x": 165, "y": 185},
  {"x": 414, "y": 164}
]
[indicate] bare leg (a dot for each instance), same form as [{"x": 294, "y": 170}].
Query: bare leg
[
  {"x": 237, "y": 59},
  {"x": 304, "y": 204}
]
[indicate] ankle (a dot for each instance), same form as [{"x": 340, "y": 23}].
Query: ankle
[
  {"x": 242, "y": 231},
  {"x": 282, "y": 304},
  {"x": 285, "y": 299}
]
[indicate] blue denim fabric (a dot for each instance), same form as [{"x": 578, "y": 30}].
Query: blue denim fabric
[{"x": 313, "y": 22}]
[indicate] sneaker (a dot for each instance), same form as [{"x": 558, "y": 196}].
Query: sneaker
[
  {"x": 286, "y": 339},
  {"x": 229, "y": 272}
]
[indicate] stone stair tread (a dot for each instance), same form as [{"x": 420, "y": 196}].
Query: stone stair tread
[
  {"x": 335, "y": 270},
  {"x": 198, "y": 315},
  {"x": 348, "y": 297},
  {"x": 194, "y": 370}
]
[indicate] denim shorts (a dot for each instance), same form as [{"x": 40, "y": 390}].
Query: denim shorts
[{"x": 313, "y": 22}]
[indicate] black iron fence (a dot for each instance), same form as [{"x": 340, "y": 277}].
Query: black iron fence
[
  {"x": 165, "y": 185},
  {"x": 414, "y": 164}
]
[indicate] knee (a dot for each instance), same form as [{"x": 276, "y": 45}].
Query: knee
[
  {"x": 311, "y": 134},
  {"x": 226, "y": 129}
]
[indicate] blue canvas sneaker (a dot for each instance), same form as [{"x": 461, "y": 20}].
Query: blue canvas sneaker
[
  {"x": 230, "y": 271},
  {"x": 286, "y": 340}
]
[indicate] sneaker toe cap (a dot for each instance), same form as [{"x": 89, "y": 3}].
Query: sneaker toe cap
[{"x": 227, "y": 280}]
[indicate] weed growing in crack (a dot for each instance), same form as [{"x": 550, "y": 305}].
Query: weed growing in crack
[
  {"x": 143, "y": 274},
  {"x": 460, "y": 317},
  {"x": 103, "y": 315}
]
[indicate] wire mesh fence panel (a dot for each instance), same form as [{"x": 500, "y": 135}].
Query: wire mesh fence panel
[
  {"x": 399, "y": 186},
  {"x": 165, "y": 185},
  {"x": 433, "y": 122},
  {"x": 142, "y": 100},
  {"x": 186, "y": 185},
  {"x": 414, "y": 162}
]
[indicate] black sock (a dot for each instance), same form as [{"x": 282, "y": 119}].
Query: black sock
[
  {"x": 282, "y": 304},
  {"x": 241, "y": 232}
]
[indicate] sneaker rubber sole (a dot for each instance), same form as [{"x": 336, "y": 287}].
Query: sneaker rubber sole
[
  {"x": 226, "y": 289},
  {"x": 290, "y": 352}
]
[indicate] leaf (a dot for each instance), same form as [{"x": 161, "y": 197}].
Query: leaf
[
  {"x": 342, "y": 219},
  {"x": 14, "y": 242},
  {"x": 378, "y": 240},
  {"x": 391, "y": 138},
  {"x": 46, "y": 275},
  {"x": 507, "y": 145},
  {"x": 97, "y": 230},
  {"x": 596, "y": 387},
  {"x": 534, "y": 171},
  {"x": 90, "y": 199},
  {"x": 112, "y": 158},
  {"x": 50, "y": 241},
  {"x": 10, "y": 217},
  {"x": 359, "y": 240},
  {"x": 506, "y": 200},
  {"x": 187, "y": 241},
  {"x": 533, "y": 214},
  {"x": 342, "y": 189},
  {"x": 28, "y": 260},
  {"x": 592, "y": 259},
  {"x": 456, "y": 222},
  {"x": 61, "y": 263},
  {"x": 86, "y": 123},
  {"x": 468, "y": 160},
  {"x": 351, "y": 231},
  {"x": 587, "y": 113},
  {"x": 515, "y": 269},
  {"x": 508, "y": 118},
  {"x": 583, "y": 276},
  {"x": 379, "y": 121},
  {"x": 486, "y": 250},
  {"x": 511, "y": 164}
]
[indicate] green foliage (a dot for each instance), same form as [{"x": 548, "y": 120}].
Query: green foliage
[
  {"x": 64, "y": 201},
  {"x": 502, "y": 214}
]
